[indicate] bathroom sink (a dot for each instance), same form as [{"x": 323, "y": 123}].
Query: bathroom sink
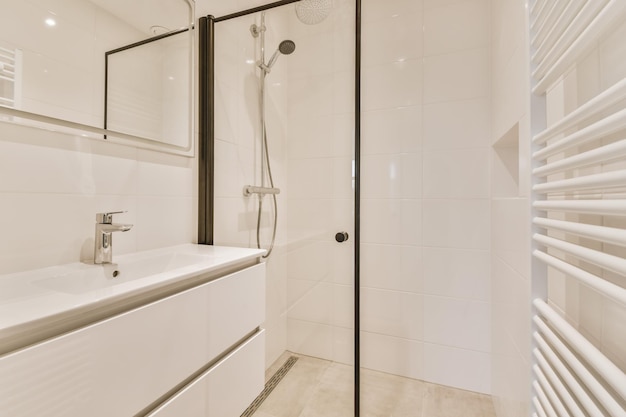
[{"x": 98, "y": 277}]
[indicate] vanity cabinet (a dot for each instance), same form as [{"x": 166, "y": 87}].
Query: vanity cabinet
[{"x": 199, "y": 352}]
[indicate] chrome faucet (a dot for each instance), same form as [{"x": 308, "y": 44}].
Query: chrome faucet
[{"x": 103, "y": 249}]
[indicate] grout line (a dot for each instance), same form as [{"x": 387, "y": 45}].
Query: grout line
[{"x": 269, "y": 386}]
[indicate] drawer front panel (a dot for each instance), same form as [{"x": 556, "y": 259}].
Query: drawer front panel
[
  {"x": 225, "y": 390},
  {"x": 119, "y": 366}
]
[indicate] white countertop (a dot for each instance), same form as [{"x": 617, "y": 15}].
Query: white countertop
[{"x": 34, "y": 303}]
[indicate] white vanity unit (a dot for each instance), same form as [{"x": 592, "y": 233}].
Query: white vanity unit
[{"x": 170, "y": 332}]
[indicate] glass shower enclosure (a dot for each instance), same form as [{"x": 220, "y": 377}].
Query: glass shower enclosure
[{"x": 281, "y": 135}]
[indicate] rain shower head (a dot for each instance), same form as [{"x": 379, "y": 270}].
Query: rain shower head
[
  {"x": 312, "y": 12},
  {"x": 286, "y": 47}
]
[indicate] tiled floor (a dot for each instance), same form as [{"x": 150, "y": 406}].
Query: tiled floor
[{"x": 319, "y": 388}]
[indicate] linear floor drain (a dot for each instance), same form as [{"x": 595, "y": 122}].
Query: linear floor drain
[{"x": 270, "y": 385}]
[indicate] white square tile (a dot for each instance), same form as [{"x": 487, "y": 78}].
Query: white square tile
[
  {"x": 343, "y": 178},
  {"x": 392, "y": 267},
  {"x": 28, "y": 168},
  {"x": 391, "y": 221},
  {"x": 303, "y": 263},
  {"x": 461, "y": 224},
  {"x": 394, "y": 39},
  {"x": 392, "y": 313},
  {"x": 458, "y": 323},
  {"x": 434, "y": 4},
  {"x": 457, "y": 273},
  {"x": 456, "y": 76},
  {"x": 343, "y": 135},
  {"x": 311, "y": 136},
  {"x": 237, "y": 222},
  {"x": 315, "y": 304},
  {"x": 374, "y": 10},
  {"x": 343, "y": 306},
  {"x": 392, "y": 355},
  {"x": 227, "y": 179},
  {"x": 300, "y": 62},
  {"x": 310, "y": 339},
  {"x": 311, "y": 96},
  {"x": 45, "y": 243},
  {"x": 392, "y": 176},
  {"x": 459, "y": 368},
  {"x": 343, "y": 349},
  {"x": 344, "y": 34},
  {"x": 456, "y": 27},
  {"x": 310, "y": 215},
  {"x": 159, "y": 179},
  {"x": 310, "y": 178},
  {"x": 392, "y": 85},
  {"x": 511, "y": 303},
  {"x": 510, "y": 220},
  {"x": 164, "y": 221},
  {"x": 343, "y": 92},
  {"x": 394, "y": 130},
  {"x": 509, "y": 91},
  {"x": 457, "y": 124},
  {"x": 456, "y": 174}
]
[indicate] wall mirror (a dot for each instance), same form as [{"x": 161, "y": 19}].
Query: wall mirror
[{"x": 121, "y": 70}]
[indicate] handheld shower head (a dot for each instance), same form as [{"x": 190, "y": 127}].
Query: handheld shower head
[
  {"x": 312, "y": 12},
  {"x": 286, "y": 47}
]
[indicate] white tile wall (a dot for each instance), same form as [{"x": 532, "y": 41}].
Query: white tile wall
[
  {"x": 425, "y": 189},
  {"x": 55, "y": 184},
  {"x": 510, "y": 275}
]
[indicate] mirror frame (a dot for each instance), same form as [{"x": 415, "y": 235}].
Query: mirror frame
[{"x": 80, "y": 130}]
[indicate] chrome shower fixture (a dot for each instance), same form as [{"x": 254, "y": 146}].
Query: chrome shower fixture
[
  {"x": 312, "y": 12},
  {"x": 286, "y": 47}
]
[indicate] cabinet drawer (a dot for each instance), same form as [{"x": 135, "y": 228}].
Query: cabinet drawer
[
  {"x": 226, "y": 389},
  {"x": 119, "y": 366}
]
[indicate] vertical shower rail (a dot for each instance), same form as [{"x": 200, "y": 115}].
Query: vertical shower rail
[{"x": 579, "y": 170}]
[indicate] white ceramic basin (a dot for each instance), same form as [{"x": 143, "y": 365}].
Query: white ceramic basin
[
  {"x": 98, "y": 277},
  {"x": 41, "y": 303}
]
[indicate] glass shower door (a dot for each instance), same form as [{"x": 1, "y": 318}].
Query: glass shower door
[{"x": 309, "y": 119}]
